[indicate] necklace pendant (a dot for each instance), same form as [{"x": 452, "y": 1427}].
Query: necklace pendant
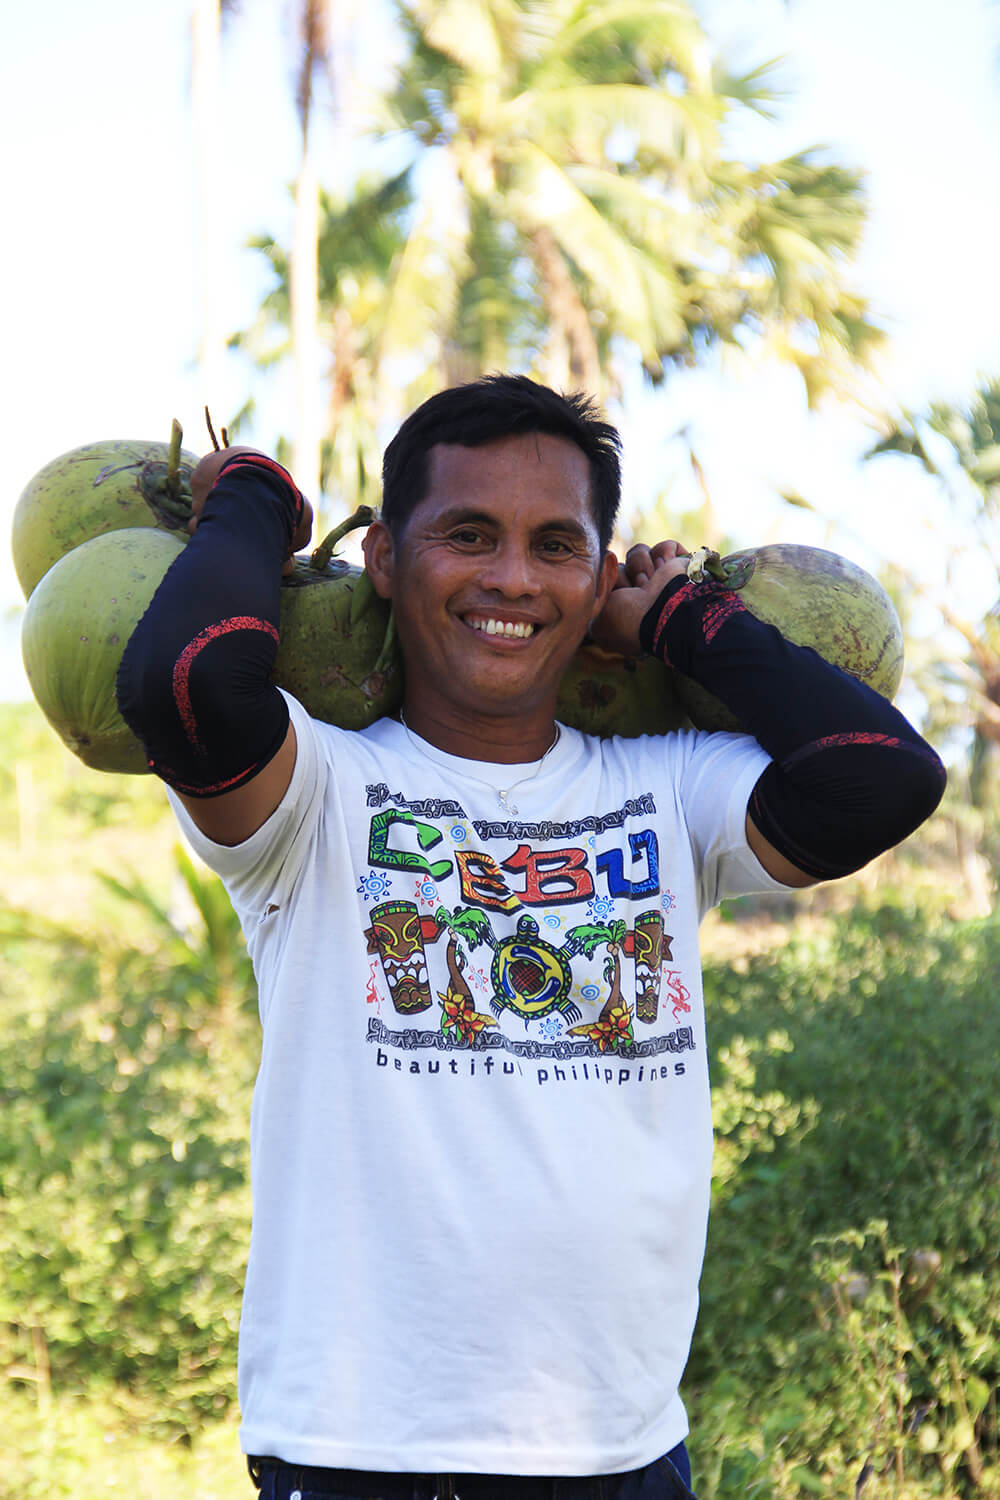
[{"x": 505, "y": 803}]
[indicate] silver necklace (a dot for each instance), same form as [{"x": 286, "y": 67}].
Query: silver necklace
[{"x": 502, "y": 793}]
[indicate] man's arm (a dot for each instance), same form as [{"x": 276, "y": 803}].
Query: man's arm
[
  {"x": 194, "y": 682},
  {"x": 849, "y": 776}
]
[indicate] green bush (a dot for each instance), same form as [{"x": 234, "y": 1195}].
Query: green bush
[
  {"x": 849, "y": 1340},
  {"x": 850, "y": 1324},
  {"x": 125, "y": 1077}
]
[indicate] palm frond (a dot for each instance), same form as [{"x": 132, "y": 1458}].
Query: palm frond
[
  {"x": 662, "y": 32},
  {"x": 674, "y": 127},
  {"x": 464, "y": 30},
  {"x": 641, "y": 294},
  {"x": 421, "y": 294}
]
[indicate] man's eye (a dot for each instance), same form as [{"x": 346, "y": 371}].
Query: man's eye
[
  {"x": 555, "y": 545},
  {"x": 467, "y": 536}
]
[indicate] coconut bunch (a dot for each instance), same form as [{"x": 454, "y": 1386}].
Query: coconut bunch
[{"x": 97, "y": 528}]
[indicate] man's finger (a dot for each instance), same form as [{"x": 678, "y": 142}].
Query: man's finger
[{"x": 639, "y": 564}]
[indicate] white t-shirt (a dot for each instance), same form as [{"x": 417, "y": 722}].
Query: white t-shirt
[{"x": 481, "y": 1131}]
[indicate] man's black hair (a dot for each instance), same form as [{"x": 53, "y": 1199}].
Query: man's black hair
[{"x": 486, "y": 410}]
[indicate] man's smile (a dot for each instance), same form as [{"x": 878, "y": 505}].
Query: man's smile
[{"x": 496, "y": 625}]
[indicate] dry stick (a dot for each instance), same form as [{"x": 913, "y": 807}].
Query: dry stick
[
  {"x": 211, "y": 430},
  {"x": 388, "y": 650},
  {"x": 902, "y": 1337},
  {"x": 973, "y": 1455},
  {"x": 174, "y": 459}
]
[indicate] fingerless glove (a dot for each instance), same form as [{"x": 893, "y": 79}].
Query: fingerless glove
[
  {"x": 194, "y": 681},
  {"x": 849, "y": 776}
]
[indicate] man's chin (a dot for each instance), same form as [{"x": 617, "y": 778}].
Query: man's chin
[{"x": 498, "y": 698}]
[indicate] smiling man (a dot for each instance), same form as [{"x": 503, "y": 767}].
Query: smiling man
[
  {"x": 495, "y": 579},
  {"x": 481, "y": 1133}
]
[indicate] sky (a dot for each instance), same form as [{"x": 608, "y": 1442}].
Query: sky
[{"x": 98, "y": 253}]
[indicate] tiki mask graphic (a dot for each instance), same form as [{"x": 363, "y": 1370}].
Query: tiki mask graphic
[
  {"x": 647, "y": 951},
  {"x": 396, "y": 934}
]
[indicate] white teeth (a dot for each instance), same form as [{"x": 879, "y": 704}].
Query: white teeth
[{"x": 518, "y": 631}]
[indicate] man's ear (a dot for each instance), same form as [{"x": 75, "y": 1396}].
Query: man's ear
[
  {"x": 379, "y": 557},
  {"x": 606, "y": 580}
]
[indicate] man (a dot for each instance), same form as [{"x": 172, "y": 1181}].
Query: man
[{"x": 481, "y": 1132}]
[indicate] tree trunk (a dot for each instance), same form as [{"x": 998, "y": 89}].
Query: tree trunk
[
  {"x": 209, "y": 176},
  {"x": 570, "y": 320},
  {"x": 304, "y": 294},
  {"x": 616, "y": 989},
  {"x": 456, "y": 983}
]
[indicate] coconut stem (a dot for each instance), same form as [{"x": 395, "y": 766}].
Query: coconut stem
[
  {"x": 388, "y": 651},
  {"x": 706, "y": 561},
  {"x": 363, "y": 516},
  {"x": 173, "y": 480}
]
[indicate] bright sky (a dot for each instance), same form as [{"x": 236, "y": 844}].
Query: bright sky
[{"x": 98, "y": 251}]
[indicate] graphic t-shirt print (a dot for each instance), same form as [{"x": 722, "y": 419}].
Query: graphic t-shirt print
[{"x": 512, "y": 941}]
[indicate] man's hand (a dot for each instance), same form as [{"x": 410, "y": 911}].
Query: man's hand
[
  {"x": 203, "y": 480},
  {"x": 642, "y": 577}
]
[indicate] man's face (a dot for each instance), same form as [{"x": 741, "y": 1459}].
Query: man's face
[{"x": 495, "y": 578}]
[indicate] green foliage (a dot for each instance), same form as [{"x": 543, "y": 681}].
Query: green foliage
[
  {"x": 46, "y": 794},
  {"x": 959, "y": 446},
  {"x": 126, "y": 1068},
  {"x": 583, "y": 147},
  {"x": 563, "y": 202},
  {"x": 70, "y": 1446},
  {"x": 849, "y": 1340},
  {"x": 850, "y": 1321}
]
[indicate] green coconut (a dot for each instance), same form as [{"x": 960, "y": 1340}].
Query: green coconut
[
  {"x": 815, "y": 598},
  {"x": 335, "y": 653},
  {"x": 604, "y": 693},
  {"x": 101, "y": 487},
  {"x": 335, "y": 656},
  {"x": 76, "y": 626}
]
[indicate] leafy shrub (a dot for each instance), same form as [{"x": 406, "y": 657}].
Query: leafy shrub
[
  {"x": 850, "y": 1325},
  {"x": 125, "y": 1075},
  {"x": 849, "y": 1341}
]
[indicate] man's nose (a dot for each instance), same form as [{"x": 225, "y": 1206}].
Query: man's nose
[{"x": 512, "y": 570}]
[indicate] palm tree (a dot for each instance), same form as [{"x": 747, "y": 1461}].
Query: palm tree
[
  {"x": 963, "y": 690},
  {"x": 566, "y": 205},
  {"x": 972, "y": 433},
  {"x": 313, "y": 26},
  {"x": 359, "y": 240},
  {"x": 459, "y": 1017},
  {"x": 206, "y": 27},
  {"x": 576, "y": 148},
  {"x": 323, "y": 38},
  {"x": 613, "y": 1027}
]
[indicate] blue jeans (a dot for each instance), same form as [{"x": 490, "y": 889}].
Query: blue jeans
[{"x": 667, "y": 1478}]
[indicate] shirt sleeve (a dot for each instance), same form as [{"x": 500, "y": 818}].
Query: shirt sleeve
[
  {"x": 264, "y": 868},
  {"x": 721, "y": 772}
]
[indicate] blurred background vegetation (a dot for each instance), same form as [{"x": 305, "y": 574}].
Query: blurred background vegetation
[
  {"x": 562, "y": 200},
  {"x": 849, "y": 1339}
]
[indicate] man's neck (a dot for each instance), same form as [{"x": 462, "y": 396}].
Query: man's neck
[{"x": 506, "y": 741}]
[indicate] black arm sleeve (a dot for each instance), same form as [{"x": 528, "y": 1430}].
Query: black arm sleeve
[
  {"x": 194, "y": 681},
  {"x": 849, "y": 777}
]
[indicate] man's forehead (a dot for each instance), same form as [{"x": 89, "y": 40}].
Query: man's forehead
[{"x": 510, "y": 466}]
